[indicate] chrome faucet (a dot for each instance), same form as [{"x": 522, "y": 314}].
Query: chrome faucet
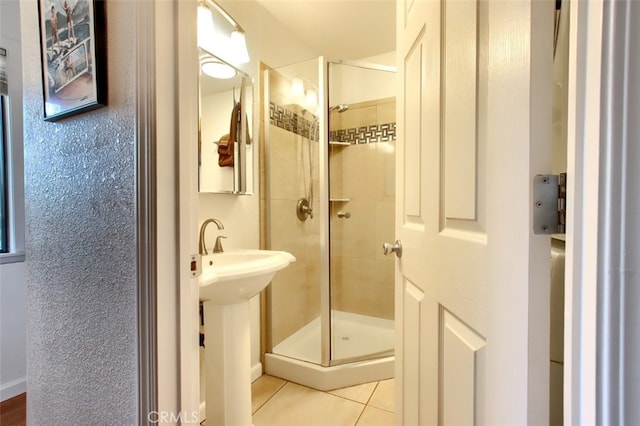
[{"x": 202, "y": 248}]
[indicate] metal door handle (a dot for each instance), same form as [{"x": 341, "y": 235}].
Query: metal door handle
[
  {"x": 392, "y": 248},
  {"x": 342, "y": 214}
]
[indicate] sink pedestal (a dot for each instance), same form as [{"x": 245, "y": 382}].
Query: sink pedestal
[
  {"x": 228, "y": 364},
  {"x": 228, "y": 281}
]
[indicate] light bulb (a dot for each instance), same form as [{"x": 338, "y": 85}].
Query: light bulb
[
  {"x": 297, "y": 88},
  {"x": 311, "y": 100},
  {"x": 205, "y": 26},
  {"x": 239, "y": 48},
  {"x": 216, "y": 69}
]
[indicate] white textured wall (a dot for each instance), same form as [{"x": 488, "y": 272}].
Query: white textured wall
[{"x": 80, "y": 241}]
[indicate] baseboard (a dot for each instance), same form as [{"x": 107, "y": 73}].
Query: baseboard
[
  {"x": 203, "y": 411},
  {"x": 14, "y": 388},
  {"x": 256, "y": 372},
  {"x": 329, "y": 378}
]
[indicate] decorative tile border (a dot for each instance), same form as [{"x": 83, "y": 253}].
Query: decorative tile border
[
  {"x": 290, "y": 121},
  {"x": 366, "y": 134}
]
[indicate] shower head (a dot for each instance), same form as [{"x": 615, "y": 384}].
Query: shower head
[{"x": 340, "y": 107}]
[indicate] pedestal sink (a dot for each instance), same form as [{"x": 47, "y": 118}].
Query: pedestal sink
[{"x": 227, "y": 283}]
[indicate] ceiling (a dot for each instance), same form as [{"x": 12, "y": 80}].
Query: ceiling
[{"x": 339, "y": 29}]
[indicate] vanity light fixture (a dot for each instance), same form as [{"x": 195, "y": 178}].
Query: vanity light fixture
[
  {"x": 239, "y": 47},
  {"x": 206, "y": 30},
  {"x": 232, "y": 45},
  {"x": 216, "y": 69}
]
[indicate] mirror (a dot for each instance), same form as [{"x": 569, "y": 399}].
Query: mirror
[{"x": 225, "y": 141}]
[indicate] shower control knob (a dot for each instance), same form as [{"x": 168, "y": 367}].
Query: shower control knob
[
  {"x": 342, "y": 214},
  {"x": 304, "y": 210},
  {"x": 396, "y": 248}
]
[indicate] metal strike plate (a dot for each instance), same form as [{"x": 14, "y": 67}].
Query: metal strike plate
[
  {"x": 195, "y": 265},
  {"x": 545, "y": 204}
]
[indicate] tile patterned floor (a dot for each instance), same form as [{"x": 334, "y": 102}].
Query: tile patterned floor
[{"x": 276, "y": 402}]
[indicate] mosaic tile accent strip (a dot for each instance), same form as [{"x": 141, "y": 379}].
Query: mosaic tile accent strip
[
  {"x": 290, "y": 121},
  {"x": 366, "y": 134}
]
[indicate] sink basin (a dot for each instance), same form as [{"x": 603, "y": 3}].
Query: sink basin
[{"x": 236, "y": 276}]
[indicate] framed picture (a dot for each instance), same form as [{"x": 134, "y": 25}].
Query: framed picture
[
  {"x": 73, "y": 52},
  {"x": 4, "y": 87}
]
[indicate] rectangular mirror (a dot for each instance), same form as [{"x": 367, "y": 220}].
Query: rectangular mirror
[{"x": 225, "y": 141}]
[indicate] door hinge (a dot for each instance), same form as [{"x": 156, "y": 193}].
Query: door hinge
[
  {"x": 549, "y": 204},
  {"x": 195, "y": 265}
]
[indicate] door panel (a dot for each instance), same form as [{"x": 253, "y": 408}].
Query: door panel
[
  {"x": 459, "y": 101},
  {"x": 462, "y": 362},
  {"x": 470, "y": 284},
  {"x": 413, "y": 101},
  {"x": 413, "y": 297}
]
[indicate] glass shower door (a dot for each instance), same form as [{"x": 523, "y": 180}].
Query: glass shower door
[{"x": 362, "y": 205}]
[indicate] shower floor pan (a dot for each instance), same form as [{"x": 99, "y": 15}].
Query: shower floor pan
[{"x": 297, "y": 358}]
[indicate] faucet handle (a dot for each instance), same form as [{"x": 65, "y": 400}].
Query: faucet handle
[
  {"x": 202, "y": 248},
  {"x": 217, "y": 248}
]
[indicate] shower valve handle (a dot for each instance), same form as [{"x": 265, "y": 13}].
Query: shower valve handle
[
  {"x": 396, "y": 248},
  {"x": 304, "y": 209}
]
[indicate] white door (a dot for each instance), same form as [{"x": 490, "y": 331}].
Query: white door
[{"x": 472, "y": 285}]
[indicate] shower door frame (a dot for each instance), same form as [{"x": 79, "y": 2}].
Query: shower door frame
[{"x": 325, "y": 236}]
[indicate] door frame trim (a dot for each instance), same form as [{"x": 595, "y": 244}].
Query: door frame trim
[
  {"x": 583, "y": 139},
  {"x": 146, "y": 212}
]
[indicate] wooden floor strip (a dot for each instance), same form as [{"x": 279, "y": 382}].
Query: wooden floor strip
[{"x": 13, "y": 411}]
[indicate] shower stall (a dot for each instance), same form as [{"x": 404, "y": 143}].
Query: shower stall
[{"x": 328, "y": 197}]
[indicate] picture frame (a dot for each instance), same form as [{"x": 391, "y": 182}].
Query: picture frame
[
  {"x": 73, "y": 56},
  {"x": 4, "y": 86},
  {"x": 4, "y": 213}
]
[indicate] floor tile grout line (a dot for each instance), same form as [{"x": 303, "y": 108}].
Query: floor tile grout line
[
  {"x": 375, "y": 406},
  {"x": 349, "y": 399},
  {"x": 382, "y": 409},
  {"x": 372, "y": 392},
  {"x": 270, "y": 398},
  {"x": 364, "y": 407}
]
